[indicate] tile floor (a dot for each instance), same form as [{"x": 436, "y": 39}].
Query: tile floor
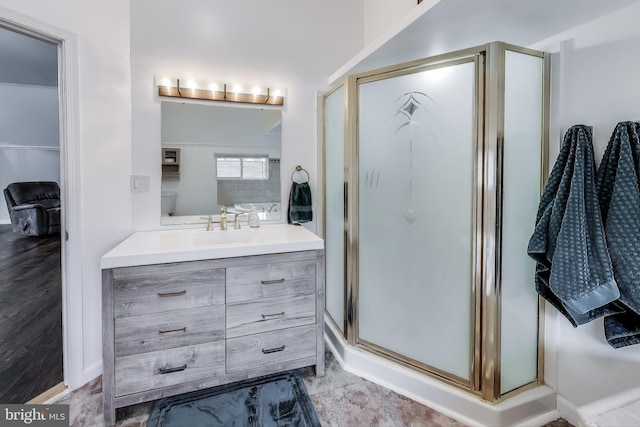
[{"x": 341, "y": 399}]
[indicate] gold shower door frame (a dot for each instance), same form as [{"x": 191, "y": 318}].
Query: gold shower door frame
[{"x": 485, "y": 283}]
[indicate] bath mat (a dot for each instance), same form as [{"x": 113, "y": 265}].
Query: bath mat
[{"x": 275, "y": 400}]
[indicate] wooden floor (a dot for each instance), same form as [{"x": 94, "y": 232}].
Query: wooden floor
[{"x": 30, "y": 315}]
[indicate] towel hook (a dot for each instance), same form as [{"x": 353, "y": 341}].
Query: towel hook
[{"x": 299, "y": 169}]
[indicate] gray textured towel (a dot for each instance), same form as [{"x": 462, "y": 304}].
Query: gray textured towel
[
  {"x": 617, "y": 182},
  {"x": 573, "y": 270}
]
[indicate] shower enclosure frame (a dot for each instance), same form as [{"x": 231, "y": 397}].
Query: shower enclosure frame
[{"x": 486, "y": 281}]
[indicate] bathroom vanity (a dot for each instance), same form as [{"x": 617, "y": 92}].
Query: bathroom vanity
[{"x": 190, "y": 309}]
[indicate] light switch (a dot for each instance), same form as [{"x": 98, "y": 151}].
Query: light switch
[{"x": 139, "y": 183}]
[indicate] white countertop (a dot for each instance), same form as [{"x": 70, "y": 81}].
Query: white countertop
[{"x": 163, "y": 246}]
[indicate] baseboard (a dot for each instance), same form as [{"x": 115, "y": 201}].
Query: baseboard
[
  {"x": 533, "y": 406},
  {"x": 568, "y": 411},
  {"x": 91, "y": 372},
  {"x": 541, "y": 420}
]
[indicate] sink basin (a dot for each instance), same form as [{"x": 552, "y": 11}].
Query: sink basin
[
  {"x": 194, "y": 244},
  {"x": 218, "y": 237}
]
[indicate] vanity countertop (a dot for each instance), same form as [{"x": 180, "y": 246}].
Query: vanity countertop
[{"x": 165, "y": 246}]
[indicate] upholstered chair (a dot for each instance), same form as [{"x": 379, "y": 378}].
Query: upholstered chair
[{"x": 34, "y": 207}]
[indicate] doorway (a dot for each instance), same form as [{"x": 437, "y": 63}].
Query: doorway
[{"x": 31, "y": 336}]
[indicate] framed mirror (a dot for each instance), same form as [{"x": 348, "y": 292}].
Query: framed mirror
[{"x": 214, "y": 156}]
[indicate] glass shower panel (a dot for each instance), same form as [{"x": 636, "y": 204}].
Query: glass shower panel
[
  {"x": 415, "y": 215},
  {"x": 521, "y": 195},
  {"x": 334, "y": 233}
]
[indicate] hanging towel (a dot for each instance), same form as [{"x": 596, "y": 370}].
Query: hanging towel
[
  {"x": 573, "y": 270},
  {"x": 300, "y": 203},
  {"x": 617, "y": 183}
]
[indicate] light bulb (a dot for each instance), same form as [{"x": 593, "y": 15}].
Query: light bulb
[
  {"x": 237, "y": 88},
  {"x": 166, "y": 82},
  {"x": 213, "y": 87},
  {"x": 277, "y": 92},
  {"x": 191, "y": 84}
]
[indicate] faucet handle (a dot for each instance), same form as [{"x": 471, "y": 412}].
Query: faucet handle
[
  {"x": 209, "y": 221},
  {"x": 236, "y": 221}
]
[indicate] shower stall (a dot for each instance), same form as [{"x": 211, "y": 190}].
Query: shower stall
[{"x": 432, "y": 176}]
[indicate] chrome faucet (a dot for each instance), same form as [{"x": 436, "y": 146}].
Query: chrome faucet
[
  {"x": 223, "y": 218},
  {"x": 236, "y": 221},
  {"x": 209, "y": 222},
  {"x": 272, "y": 206}
]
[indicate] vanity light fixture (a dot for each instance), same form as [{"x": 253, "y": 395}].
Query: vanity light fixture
[{"x": 217, "y": 90}]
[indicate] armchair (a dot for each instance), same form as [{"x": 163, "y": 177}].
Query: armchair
[{"x": 34, "y": 207}]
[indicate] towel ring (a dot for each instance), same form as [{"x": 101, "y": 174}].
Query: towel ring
[{"x": 299, "y": 169}]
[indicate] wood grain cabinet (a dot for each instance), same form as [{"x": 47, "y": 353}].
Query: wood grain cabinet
[{"x": 178, "y": 327}]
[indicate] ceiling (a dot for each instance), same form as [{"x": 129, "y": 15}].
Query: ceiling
[
  {"x": 451, "y": 25},
  {"x": 447, "y": 26},
  {"x": 27, "y": 60}
]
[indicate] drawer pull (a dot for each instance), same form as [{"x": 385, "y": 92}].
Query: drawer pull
[
  {"x": 170, "y": 370},
  {"x": 172, "y": 331},
  {"x": 172, "y": 294},
  {"x": 272, "y": 316},
  {"x": 272, "y": 282},
  {"x": 273, "y": 350}
]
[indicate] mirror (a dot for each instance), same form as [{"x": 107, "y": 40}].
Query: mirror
[{"x": 197, "y": 137}]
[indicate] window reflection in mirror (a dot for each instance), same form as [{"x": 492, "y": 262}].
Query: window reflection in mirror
[{"x": 242, "y": 142}]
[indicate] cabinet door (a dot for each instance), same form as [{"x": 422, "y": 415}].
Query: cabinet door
[
  {"x": 161, "y": 293},
  {"x": 269, "y": 314},
  {"x": 270, "y": 348},
  {"x": 157, "y": 369},
  {"x": 270, "y": 280},
  {"x": 157, "y": 331}
]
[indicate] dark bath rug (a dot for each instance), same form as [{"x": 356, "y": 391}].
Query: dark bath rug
[{"x": 276, "y": 400}]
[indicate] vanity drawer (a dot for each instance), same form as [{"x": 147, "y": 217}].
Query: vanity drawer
[
  {"x": 270, "y": 314},
  {"x": 157, "y": 369},
  {"x": 175, "y": 291},
  {"x": 157, "y": 331},
  {"x": 253, "y": 282},
  {"x": 269, "y": 348}
]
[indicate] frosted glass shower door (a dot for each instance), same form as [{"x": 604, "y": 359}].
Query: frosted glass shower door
[
  {"x": 334, "y": 225},
  {"x": 416, "y": 214},
  {"x": 521, "y": 189}
]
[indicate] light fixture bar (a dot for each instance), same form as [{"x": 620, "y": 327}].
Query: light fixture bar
[{"x": 216, "y": 90}]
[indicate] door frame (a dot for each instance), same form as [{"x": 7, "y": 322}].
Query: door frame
[{"x": 71, "y": 231}]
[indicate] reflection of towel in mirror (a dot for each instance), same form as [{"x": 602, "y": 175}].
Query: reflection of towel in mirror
[
  {"x": 617, "y": 183},
  {"x": 300, "y": 203},
  {"x": 573, "y": 270}
]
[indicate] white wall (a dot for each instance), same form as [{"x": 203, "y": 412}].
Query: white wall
[
  {"x": 28, "y": 136},
  {"x": 104, "y": 155},
  {"x": 297, "y": 44},
  {"x": 28, "y": 115},
  {"x": 595, "y": 82},
  {"x": 380, "y": 15}
]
